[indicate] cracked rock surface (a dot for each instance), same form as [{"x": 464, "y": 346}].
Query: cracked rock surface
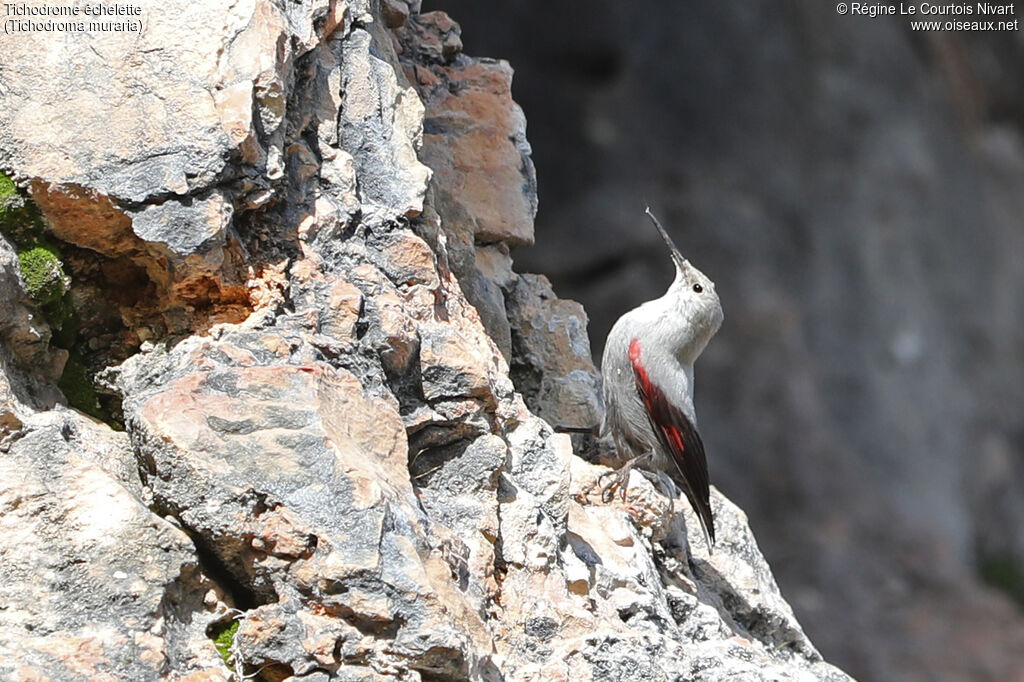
[{"x": 289, "y": 263}]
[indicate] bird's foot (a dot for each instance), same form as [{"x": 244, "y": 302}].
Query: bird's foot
[{"x": 619, "y": 481}]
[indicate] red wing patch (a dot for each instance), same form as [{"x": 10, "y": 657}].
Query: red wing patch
[{"x": 680, "y": 439}]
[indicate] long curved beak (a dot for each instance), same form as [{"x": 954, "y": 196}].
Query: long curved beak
[{"x": 677, "y": 258}]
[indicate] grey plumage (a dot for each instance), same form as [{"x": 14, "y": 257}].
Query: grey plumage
[{"x": 647, "y": 371}]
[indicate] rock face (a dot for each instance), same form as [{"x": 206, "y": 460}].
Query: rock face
[{"x": 290, "y": 279}]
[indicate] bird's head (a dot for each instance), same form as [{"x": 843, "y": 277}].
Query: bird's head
[{"x": 694, "y": 312}]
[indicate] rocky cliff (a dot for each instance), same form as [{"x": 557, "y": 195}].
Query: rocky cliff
[{"x": 274, "y": 404}]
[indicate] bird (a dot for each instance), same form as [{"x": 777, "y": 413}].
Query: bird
[{"x": 647, "y": 377}]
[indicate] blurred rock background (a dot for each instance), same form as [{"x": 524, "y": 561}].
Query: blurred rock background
[{"x": 856, "y": 189}]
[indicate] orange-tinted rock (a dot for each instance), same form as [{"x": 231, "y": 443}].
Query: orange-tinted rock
[
  {"x": 344, "y": 304},
  {"x": 476, "y": 145},
  {"x": 400, "y": 332},
  {"x": 88, "y": 219},
  {"x": 451, "y": 364},
  {"x": 394, "y": 12},
  {"x": 407, "y": 260}
]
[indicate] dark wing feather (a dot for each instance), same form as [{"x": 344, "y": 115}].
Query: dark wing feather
[{"x": 680, "y": 439}]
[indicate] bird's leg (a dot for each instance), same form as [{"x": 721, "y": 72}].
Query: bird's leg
[
  {"x": 620, "y": 478},
  {"x": 671, "y": 491}
]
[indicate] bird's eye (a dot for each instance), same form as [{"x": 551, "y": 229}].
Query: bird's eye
[{"x": 698, "y": 288}]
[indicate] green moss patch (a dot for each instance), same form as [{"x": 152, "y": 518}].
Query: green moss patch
[
  {"x": 76, "y": 384},
  {"x": 7, "y": 187},
  {"x": 46, "y": 281},
  {"x": 40, "y": 261},
  {"x": 41, "y": 268},
  {"x": 20, "y": 219},
  {"x": 1005, "y": 573},
  {"x": 224, "y": 639},
  {"x": 47, "y": 284}
]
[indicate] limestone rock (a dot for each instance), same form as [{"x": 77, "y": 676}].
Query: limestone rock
[
  {"x": 95, "y": 586},
  {"x": 475, "y": 140},
  {"x": 184, "y": 227},
  {"x": 341, "y": 315},
  {"x": 551, "y": 360},
  {"x": 300, "y": 482},
  {"x": 22, "y": 329},
  {"x": 485, "y": 190}
]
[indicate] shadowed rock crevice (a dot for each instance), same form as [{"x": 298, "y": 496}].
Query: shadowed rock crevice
[{"x": 159, "y": 288}]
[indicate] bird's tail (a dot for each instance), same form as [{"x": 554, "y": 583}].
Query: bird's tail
[
  {"x": 701, "y": 507},
  {"x": 707, "y": 521}
]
